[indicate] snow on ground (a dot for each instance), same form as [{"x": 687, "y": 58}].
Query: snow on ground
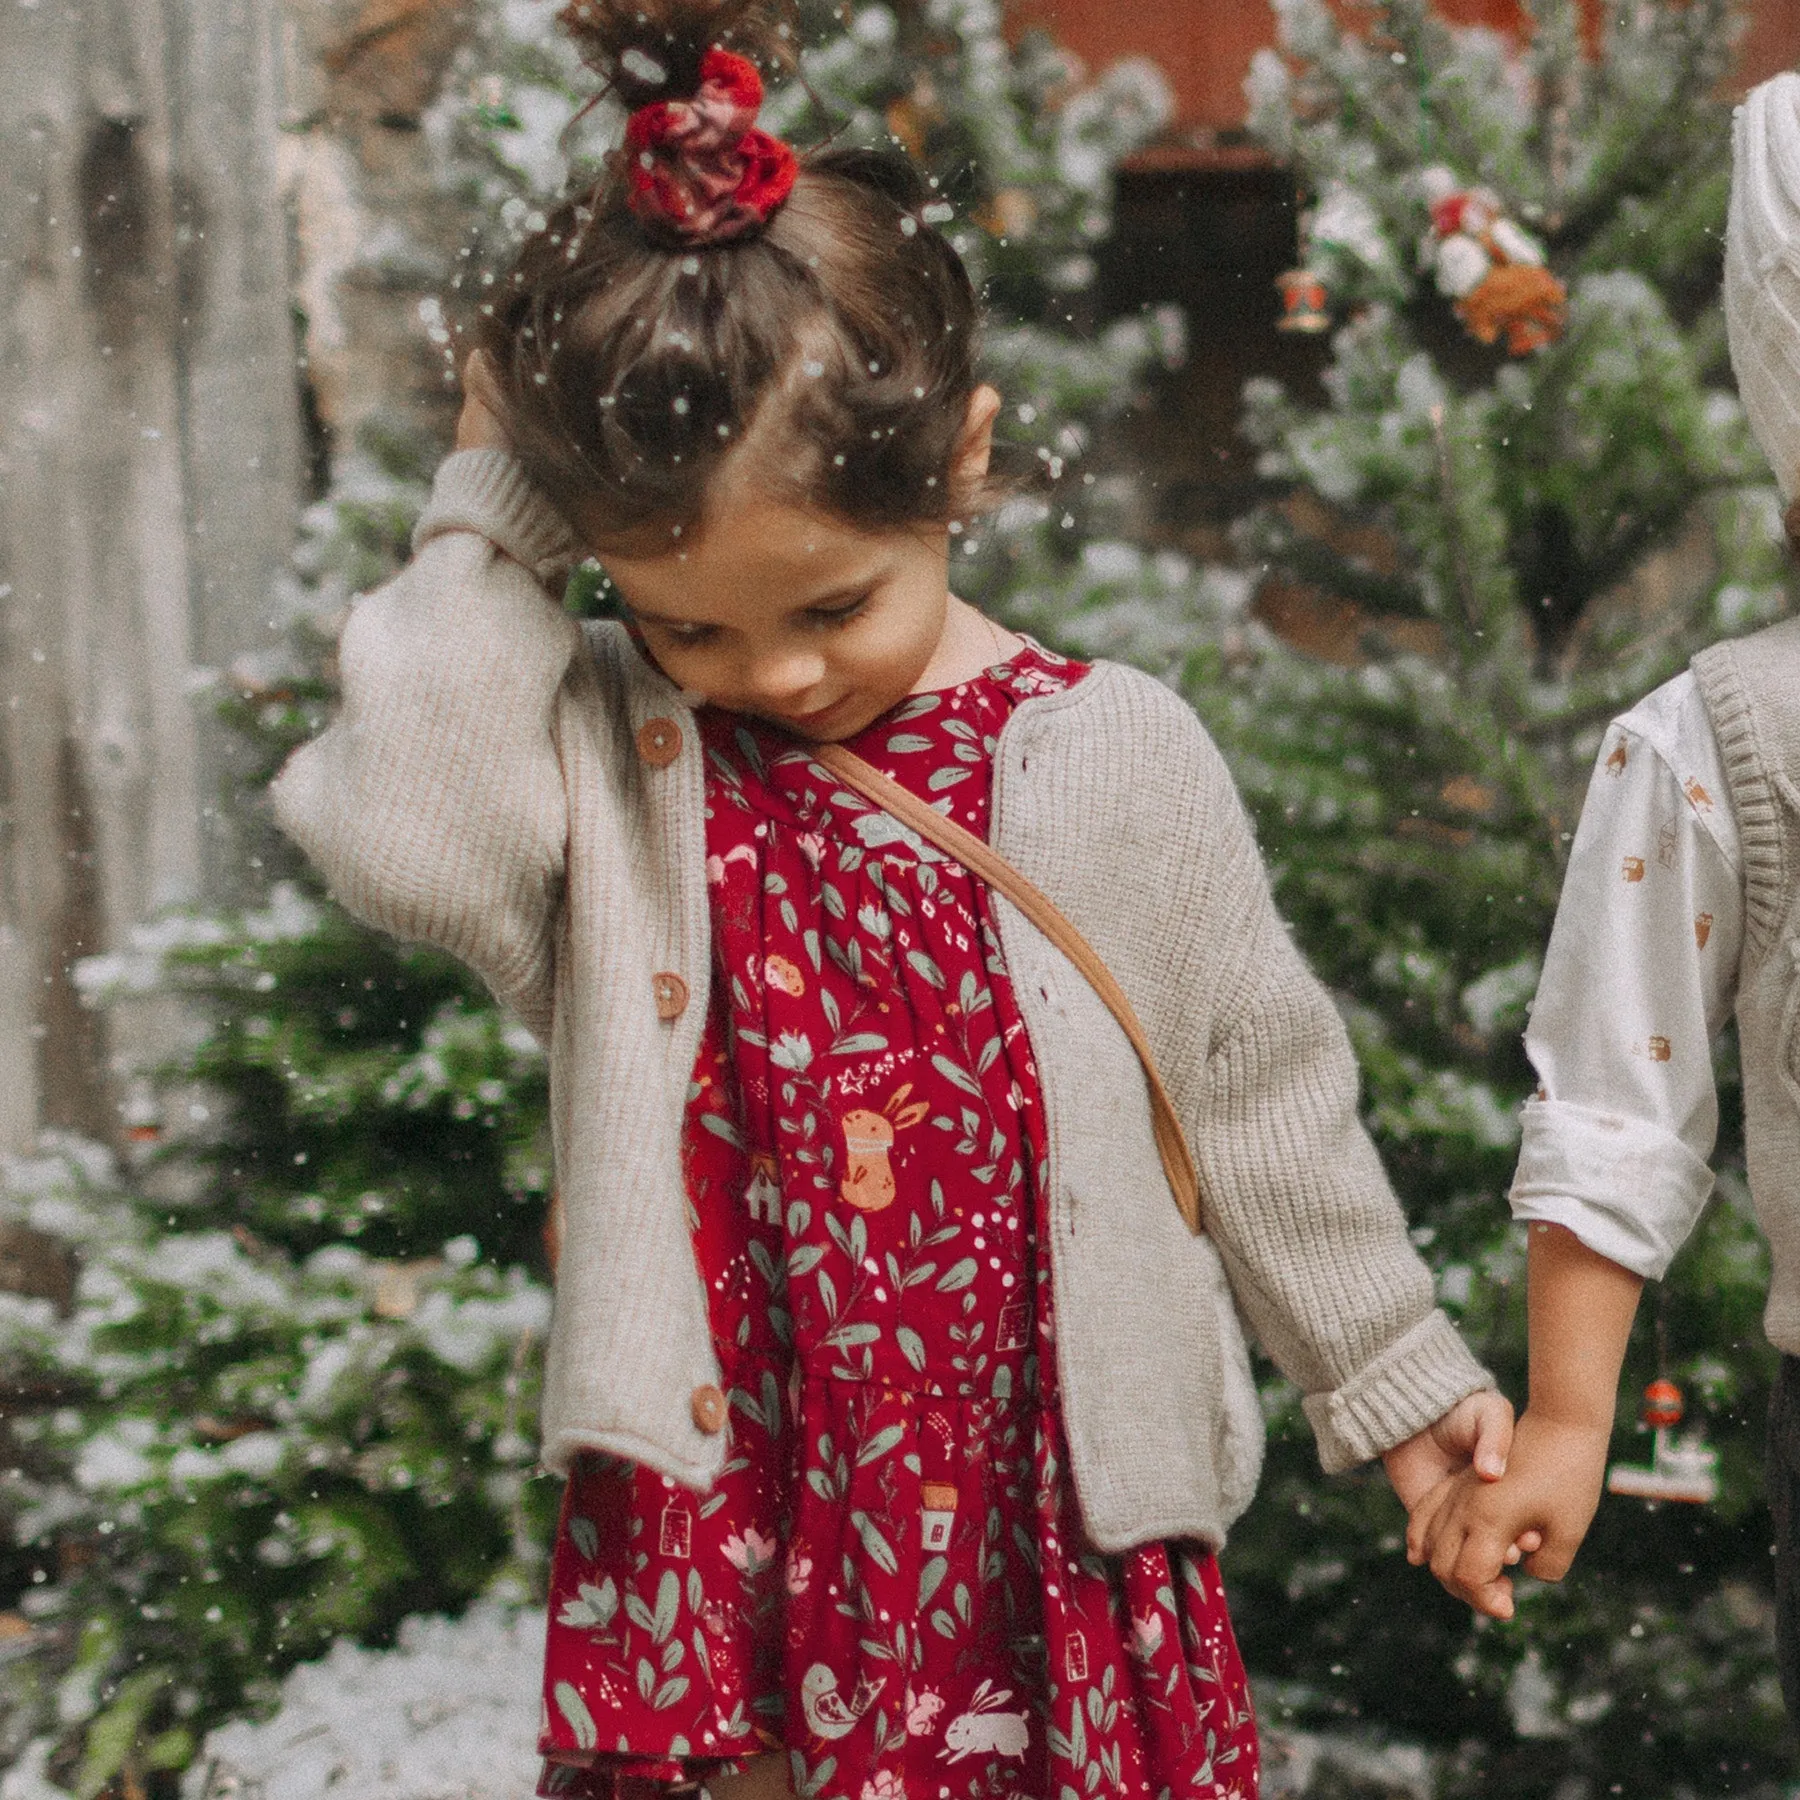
[{"x": 450, "y": 1714}]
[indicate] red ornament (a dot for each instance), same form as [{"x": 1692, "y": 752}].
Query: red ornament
[
  {"x": 1662, "y": 1404},
  {"x": 1303, "y": 301}
]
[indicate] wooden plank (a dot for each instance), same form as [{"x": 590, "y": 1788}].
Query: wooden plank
[{"x": 148, "y": 480}]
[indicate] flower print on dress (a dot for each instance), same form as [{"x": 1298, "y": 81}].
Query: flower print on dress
[
  {"x": 780, "y": 973},
  {"x": 751, "y": 1552},
  {"x": 798, "y": 1573},
  {"x": 893, "y": 1557}
]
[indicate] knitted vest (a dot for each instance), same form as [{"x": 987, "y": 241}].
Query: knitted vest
[{"x": 1751, "y": 687}]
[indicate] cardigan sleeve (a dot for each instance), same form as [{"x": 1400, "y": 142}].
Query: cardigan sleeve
[
  {"x": 434, "y": 803},
  {"x": 1298, "y": 1203}
]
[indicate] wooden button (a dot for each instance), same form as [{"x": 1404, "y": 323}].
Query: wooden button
[
  {"x": 659, "y": 742},
  {"x": 671, "y": 995},
  {"x": 708, "y": 1406}
]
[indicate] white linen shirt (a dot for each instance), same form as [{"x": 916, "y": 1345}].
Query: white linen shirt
[{"x": 1639, "y": 977}]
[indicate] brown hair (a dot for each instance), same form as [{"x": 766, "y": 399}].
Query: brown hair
[{"x": 838, "y": 342}]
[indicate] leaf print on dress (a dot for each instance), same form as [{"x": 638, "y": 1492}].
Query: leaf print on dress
[
  {"x": 875, "y": 1361},
  {"x": 573, "y": 1708},
  {"x": 868, "y": 1182}
]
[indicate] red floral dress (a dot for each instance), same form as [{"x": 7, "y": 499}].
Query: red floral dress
[{"x": 890, "y": 1578}]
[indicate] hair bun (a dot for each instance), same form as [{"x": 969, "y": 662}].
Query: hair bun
[{"x": 649, "y": 50}]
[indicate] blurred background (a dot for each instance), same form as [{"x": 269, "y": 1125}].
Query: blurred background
[{"x": 1408, "y": 519}]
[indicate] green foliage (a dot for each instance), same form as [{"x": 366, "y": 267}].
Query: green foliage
[
  {"x": 1533, "y": 544},
  {"x": 259, "y": 1449}
]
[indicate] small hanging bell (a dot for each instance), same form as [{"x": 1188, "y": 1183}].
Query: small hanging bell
[{"x": 1304, "y": 299}]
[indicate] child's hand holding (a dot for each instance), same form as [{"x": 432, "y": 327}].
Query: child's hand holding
[
  {"x": 1540, "y": 1510},
  {"x": 1466, "y": 1452},
  {"x": 1470, "y": 1531},
  {"x": 1476, "y": 1432}
]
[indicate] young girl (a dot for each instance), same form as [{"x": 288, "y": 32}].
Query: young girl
[{"x": 900, "y": 1410}]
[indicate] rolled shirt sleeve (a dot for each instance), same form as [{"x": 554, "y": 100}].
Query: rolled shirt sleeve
[{"x": 1639, "y": 977}]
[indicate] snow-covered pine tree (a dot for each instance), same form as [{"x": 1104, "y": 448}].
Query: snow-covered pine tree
[
  {"x": 292, "y": 1399},
  {"x": 1527, "y": 533}
]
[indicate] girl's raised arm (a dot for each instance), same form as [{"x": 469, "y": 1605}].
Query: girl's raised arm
[{"x": 434, "y": 802}]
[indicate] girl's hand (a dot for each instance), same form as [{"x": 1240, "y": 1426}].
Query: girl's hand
[
  {"x": 1476, "y": 1432},
  {"x": 481, "y": 424},
  {"x": 1540, "y": 1511},
  {"x": 1466, "y": 1450}
]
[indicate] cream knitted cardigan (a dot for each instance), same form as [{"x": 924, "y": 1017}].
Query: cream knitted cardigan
[{"x": 528, "y": 795}]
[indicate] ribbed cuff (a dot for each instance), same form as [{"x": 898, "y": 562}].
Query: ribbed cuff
[
  {"x": 1410, "y": 1385},
  {"x": 488, "y": 492}
]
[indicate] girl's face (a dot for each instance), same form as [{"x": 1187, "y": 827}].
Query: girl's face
[{"x": 799, "y": 618}]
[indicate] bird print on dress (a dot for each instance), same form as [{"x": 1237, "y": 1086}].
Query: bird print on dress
[
  {"x": 889, "y": 1580},
  {"x": 828, "y": 1714}
]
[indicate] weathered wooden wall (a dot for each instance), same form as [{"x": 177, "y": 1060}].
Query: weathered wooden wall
[{"x": 149, "y": 473}]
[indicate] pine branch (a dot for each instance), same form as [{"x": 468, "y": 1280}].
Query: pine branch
[
  {"x": 1660, "y": 145},
  {"x": 1459, "y": 555}
]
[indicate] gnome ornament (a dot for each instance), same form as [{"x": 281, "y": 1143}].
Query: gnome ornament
[{"x": 1489, "y": 266}]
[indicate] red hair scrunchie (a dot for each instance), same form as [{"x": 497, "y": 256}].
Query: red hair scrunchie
[{"x": 699, "y": 167}]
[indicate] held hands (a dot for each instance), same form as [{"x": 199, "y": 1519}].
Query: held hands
[
  {"x": 1474, "y": 1526},
  {"x": 1466, "y": 1451},
  {"x": 1470, "y": 1531},
  {"x": 1476, "y": 1432}
]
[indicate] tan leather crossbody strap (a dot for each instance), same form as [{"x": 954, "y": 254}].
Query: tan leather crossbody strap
[{"x": 986, "y": 864}]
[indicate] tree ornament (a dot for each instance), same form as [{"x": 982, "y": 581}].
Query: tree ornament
[
  {"x": 1525, "y": 306},
  {"x": 1304, "y": 299},
  {"x": 1679, "y": 1470},
  {"x": 1490, "y": 267}
]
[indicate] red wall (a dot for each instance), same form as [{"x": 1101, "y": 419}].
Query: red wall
[{"x": 1206, "y": 45}]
